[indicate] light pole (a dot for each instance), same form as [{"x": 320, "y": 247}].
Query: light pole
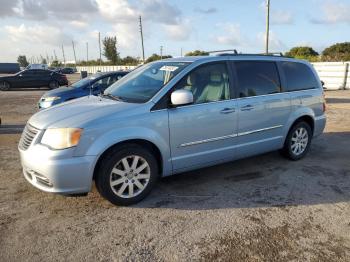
[{"x": 267, "y": 26}]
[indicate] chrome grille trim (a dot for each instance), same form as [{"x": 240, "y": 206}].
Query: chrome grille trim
[{"x": 28, "y": 136}]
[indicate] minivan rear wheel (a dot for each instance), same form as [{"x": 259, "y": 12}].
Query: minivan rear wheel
[
  {"x": 127, "y": 174},
  {"x": 298, "y": 141}
]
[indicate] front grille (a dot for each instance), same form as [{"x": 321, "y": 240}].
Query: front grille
[{"x": 27, "y": 137}]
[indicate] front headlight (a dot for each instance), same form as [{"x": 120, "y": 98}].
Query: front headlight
[
  {"x": 61, "y": 138},
  {"x": 51, "y": 98}
]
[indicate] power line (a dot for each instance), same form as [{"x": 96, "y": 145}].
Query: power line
[{"x": 143, "y": 48}]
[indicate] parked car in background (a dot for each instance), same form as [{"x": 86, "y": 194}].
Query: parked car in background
[
  {"x": 172, "y": 116},
  {"x": 33, "y": 78},
  {"x": 94, "y": 84},
  {"x": 67, "y": 70},
  {"x": 38, "y": 66},
  {"x": 9, "y": 68}
]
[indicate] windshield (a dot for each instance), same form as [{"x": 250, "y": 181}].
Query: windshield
[
  {"x": 85, "y": 81},
  {"x": 143, "y": 83}
]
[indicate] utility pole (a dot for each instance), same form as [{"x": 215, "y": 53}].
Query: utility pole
[
  {"x": 161, "y": 52},
  {"x": 181, "y": 52},
  {"x": 75, "y": 58},
  {"x": 64, "y": 58},
  {"x": 267, "y": 26},
  {"x": 54, "y": 52},
  {"x": 143, "y": 48},
  {"x": 87, "y": 51},
  {"x": 99, "y": 46}
]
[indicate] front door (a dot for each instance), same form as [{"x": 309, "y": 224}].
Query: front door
[{"x": 204, "y": 132}]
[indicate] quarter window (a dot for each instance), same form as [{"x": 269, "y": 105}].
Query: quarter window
[
  {"x": 208, "y": 83},
  {"x": 257, "y": 78},
  {"x": 298, "y": 76}
]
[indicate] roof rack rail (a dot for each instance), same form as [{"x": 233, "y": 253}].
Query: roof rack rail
[
  {"x": 226, "y": 50},
  {"x": 273, "y": 54}
]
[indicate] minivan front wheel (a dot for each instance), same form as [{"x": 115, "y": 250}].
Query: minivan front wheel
[
  {"x": 298, "y": 141},
  {"x": 127, "y": 175}
]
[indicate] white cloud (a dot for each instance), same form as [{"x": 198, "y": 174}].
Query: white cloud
[
  {"x": 79, "y": 24},
  {"x": 8, "y": 7},
  {"x": 179, "y": 32},
  {"x": 232, "y": 35},
  {"x": 333, "y": 12},
  {"x": 275, "y": 44},
  {"x": 210, "y": 10},
  {"x": 280, "y": 17},
  {"x": 37, "y": 35}
]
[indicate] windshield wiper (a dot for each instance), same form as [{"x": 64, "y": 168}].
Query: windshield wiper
[{"x": 116, "y": 98}]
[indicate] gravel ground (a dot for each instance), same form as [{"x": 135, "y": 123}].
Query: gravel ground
[{"x": 264, "y": 208}]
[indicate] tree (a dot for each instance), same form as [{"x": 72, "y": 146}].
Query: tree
[
  {"x": 110, "y": 49},
  {"x": 22, "y": 61},
  {"x": 337, "y": 52},
  {"x": 129, "y": 60},
  {"x": 196, "y": 53},
  {"x": 56, "y": 63},
  {"x": 303, "y": 52},
  {"x": 43, "y": 61},
  {"x": 155, "y": 57}
]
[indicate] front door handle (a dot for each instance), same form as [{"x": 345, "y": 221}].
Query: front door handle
[
  {"x": 247, "y": 108},
  {"x": 227, "y": 110}
]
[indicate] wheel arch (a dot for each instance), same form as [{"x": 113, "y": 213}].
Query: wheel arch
[{"x": 141, "y": 142}]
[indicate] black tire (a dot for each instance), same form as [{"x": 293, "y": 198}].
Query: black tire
[
  {"x": 289, "y": 145},
  {"x": 109, "y": 162},
  {"x": 53, "y": 84},
  {"x": 5, "y": 86}
]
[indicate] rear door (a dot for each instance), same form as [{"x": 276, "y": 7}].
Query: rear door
[
  {"x": 263, "y": 109},
  {"x": 204, "y": 132}
]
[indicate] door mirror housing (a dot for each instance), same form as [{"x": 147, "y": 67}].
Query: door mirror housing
[{"x": 181, "y": 97}]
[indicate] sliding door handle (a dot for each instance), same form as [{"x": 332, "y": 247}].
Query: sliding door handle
[{"x": 227, "y": 110}]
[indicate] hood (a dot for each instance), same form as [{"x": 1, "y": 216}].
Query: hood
[
  {"x": 61, "y": 91},
  {"x": 79, "y": 112}
]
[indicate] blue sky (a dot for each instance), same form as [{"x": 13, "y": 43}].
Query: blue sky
[{"x": 39, "y": 27}]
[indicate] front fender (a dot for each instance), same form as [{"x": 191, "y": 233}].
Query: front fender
[{"x": 112, "y": 137}]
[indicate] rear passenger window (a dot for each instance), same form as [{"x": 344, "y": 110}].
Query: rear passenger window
[
  {"x": 257, "y": 78},
  {"x": 298, "y": 76}
]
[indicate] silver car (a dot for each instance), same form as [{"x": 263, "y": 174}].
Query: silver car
[{"x": 173, "y": 116}]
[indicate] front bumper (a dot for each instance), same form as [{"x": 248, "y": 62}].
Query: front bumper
[{"x": 57, "y": 171}]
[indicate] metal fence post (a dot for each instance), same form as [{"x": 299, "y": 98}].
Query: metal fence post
[{"x": 346, "y": 75}]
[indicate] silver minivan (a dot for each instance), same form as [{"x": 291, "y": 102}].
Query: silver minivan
[{"x": 172, "y": 116}]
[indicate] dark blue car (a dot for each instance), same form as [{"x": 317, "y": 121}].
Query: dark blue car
[{"x": 94, "y": 84}]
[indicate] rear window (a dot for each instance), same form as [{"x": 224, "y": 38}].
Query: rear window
[
  {"x": 257, "y": 78},
  {"x": 298, "y": 76}
]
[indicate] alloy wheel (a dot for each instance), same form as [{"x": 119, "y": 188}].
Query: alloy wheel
[
  {"x": 299, "y": 141},
  {"x": 130, "y": 176}
]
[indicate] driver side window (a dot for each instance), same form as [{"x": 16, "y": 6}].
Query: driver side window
[{"x": 208, "y": 83}]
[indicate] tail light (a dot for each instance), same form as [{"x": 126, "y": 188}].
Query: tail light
[{"x": 324, "y": 103}]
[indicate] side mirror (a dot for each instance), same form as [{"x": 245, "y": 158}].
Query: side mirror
[
  {"x": 322, "y": 83},
  {"x": 181, "y": 97}
]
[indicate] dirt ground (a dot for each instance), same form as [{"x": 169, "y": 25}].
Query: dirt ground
[{"x": 264, "y": 208}]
